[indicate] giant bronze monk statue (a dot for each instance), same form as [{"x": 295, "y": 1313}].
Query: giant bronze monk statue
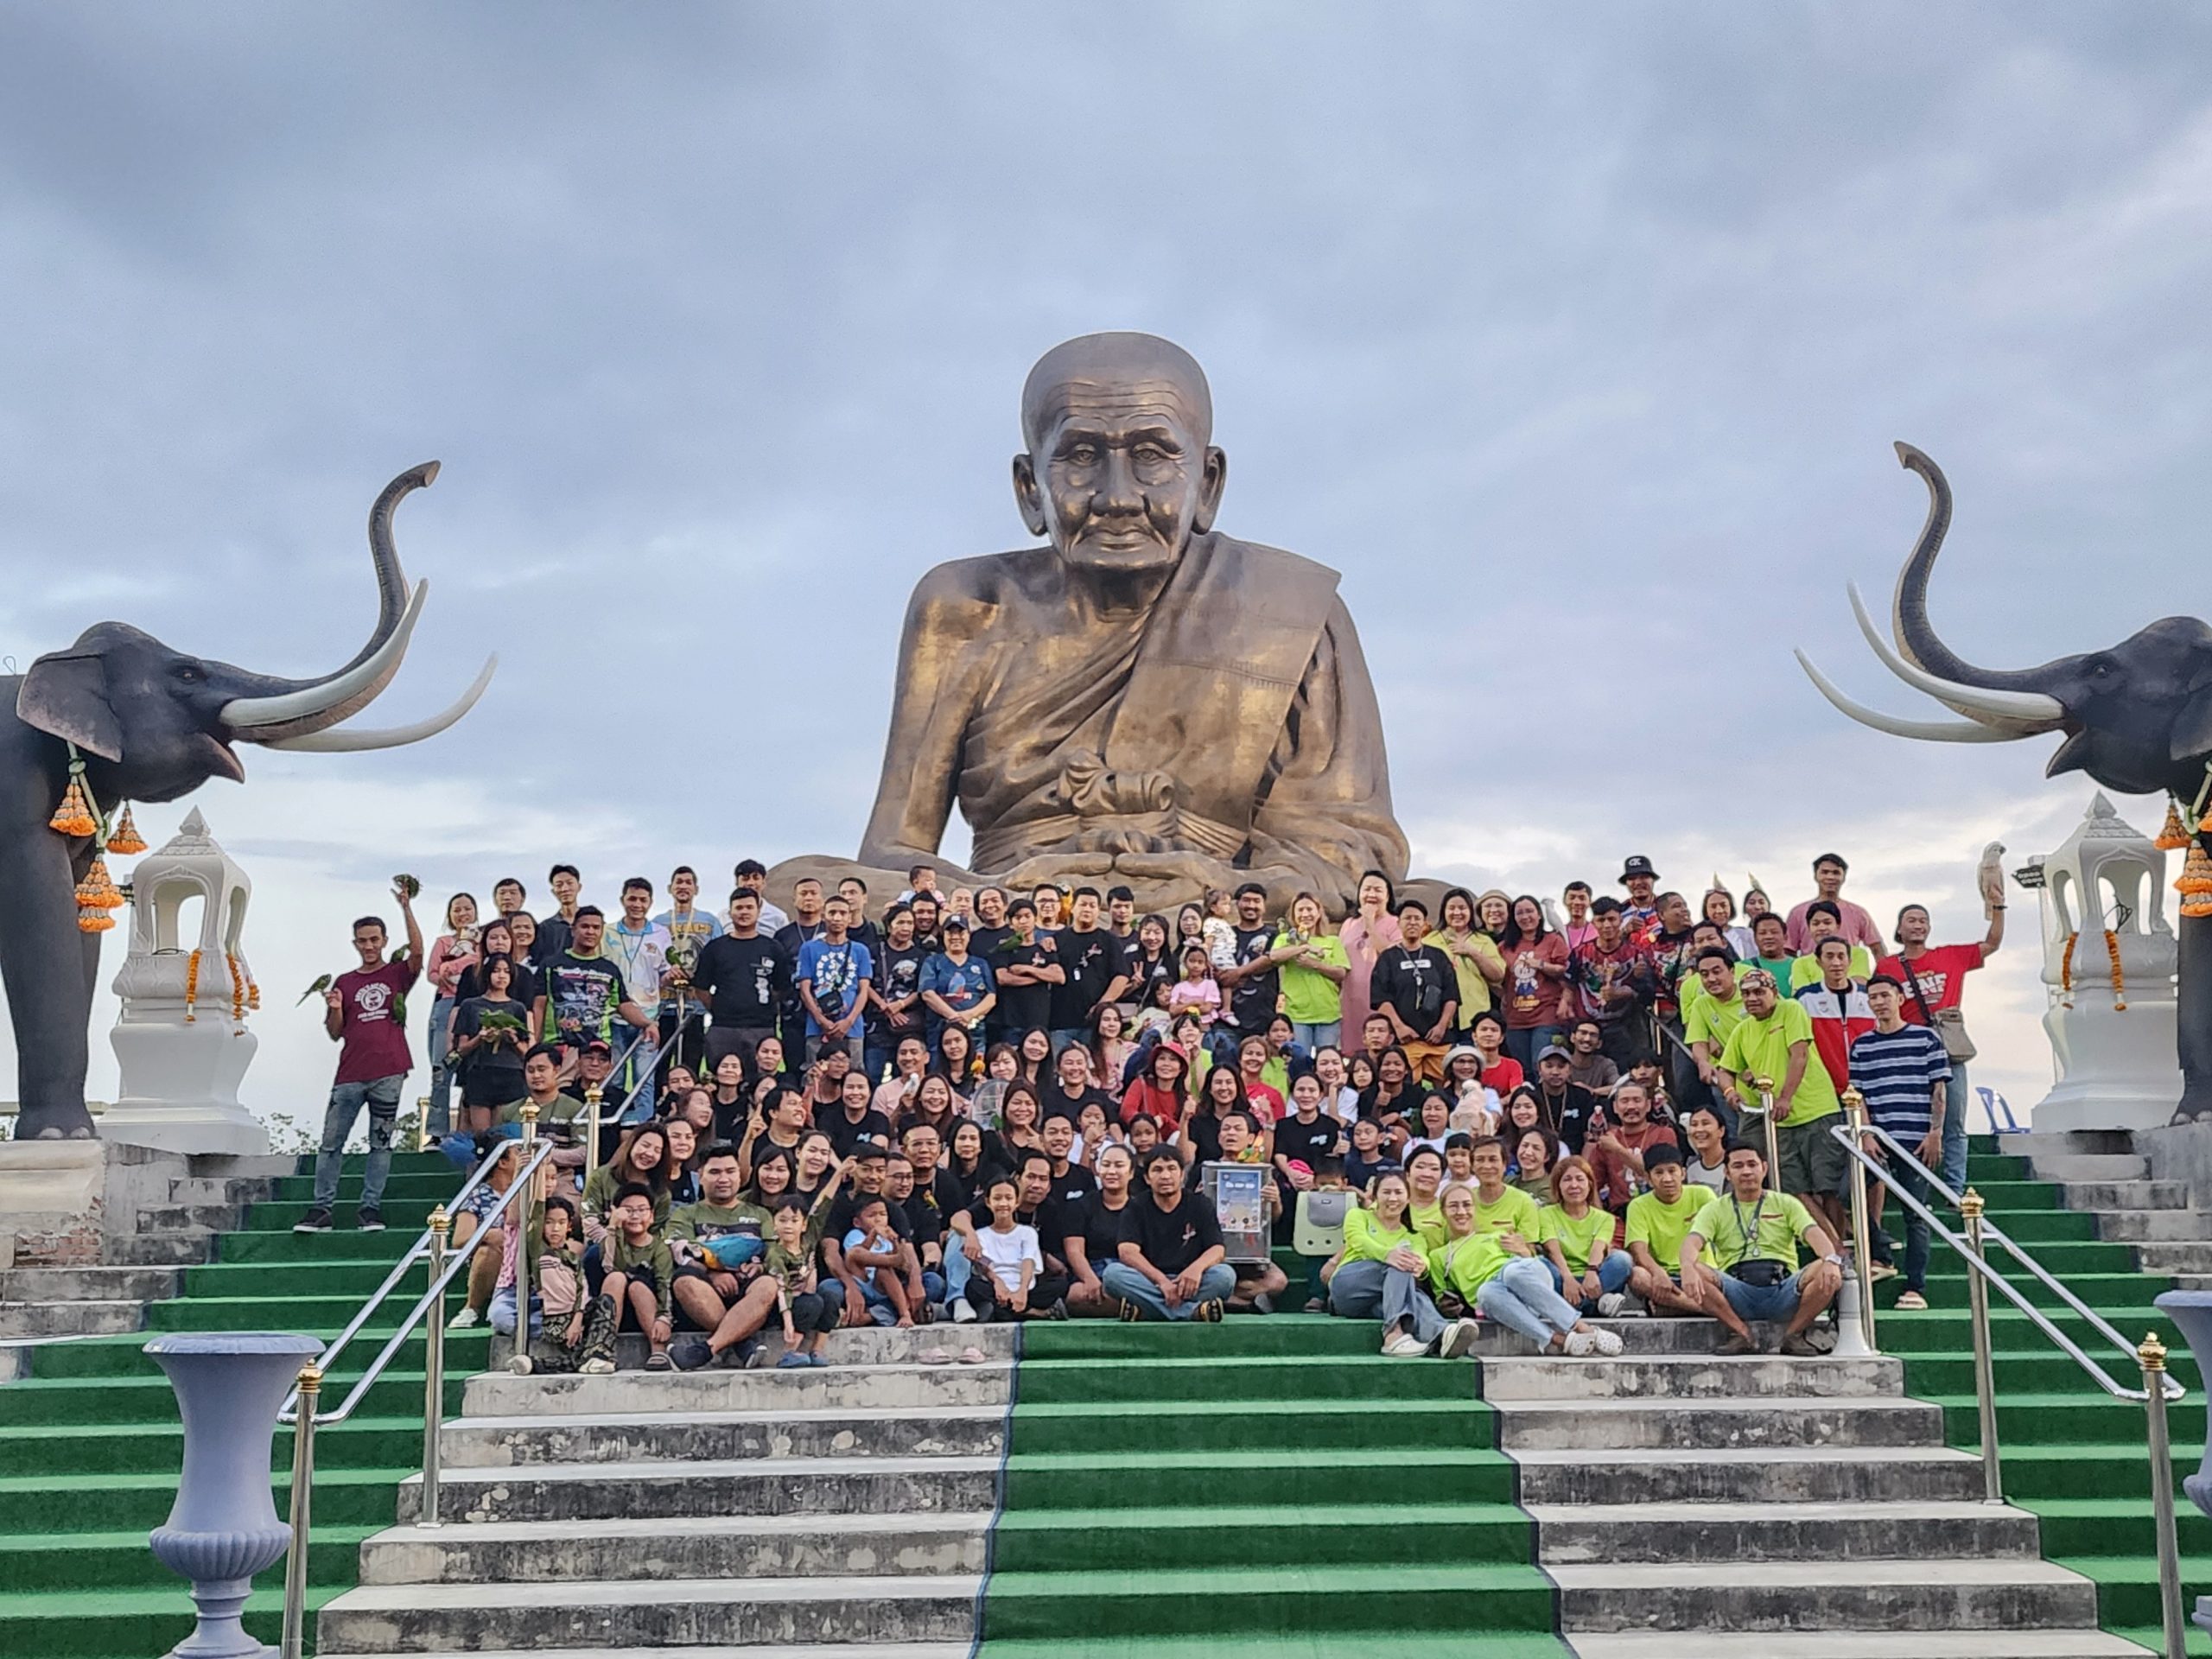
[{"x": 1143, "y": 700}]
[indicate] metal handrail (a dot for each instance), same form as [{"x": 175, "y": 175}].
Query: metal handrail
[
  {"x": 2150, "y": 1356},
  {"x": 301, "y": 1412}
]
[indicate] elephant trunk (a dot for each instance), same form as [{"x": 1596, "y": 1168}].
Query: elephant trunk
[{"x": 297, "y": 708}]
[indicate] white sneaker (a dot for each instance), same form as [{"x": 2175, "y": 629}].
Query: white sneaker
[
  {"x": 1609, "y": 1305},
  {"x": 1401, "y": 1345},
  {"x": 1460, "y": 1339},
  {"x": 1608, "y": 1344},
  {"x": 520, "y": 1366},
  {"x": 1580, "y": 1344},
  {"x": 597, "y": 1368},
  {"x": 962, "y": 1313},
  {"x": 468, "y": 1318}
]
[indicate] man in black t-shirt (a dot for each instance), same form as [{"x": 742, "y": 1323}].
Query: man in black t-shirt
[
  {"x": 1254, "y": 982},
  {"x": 871, "y": 1168},
  {"x": 1071, "y": 1182},
  {"x": 1090, "y": 1233},
  {"x": 1027, "y": 965},
  {"x": 1172, "y": 1263},
  {"x": 583, "y": 995},
  {"x": 744, "y": 979},
  {"x": 895, "y": 1007},
  {"x": 1087, "y": 957},
  {"x": 1568, "y": 1105},
  {"x": 1417, "y": 987},
  {"x": 990, "y": 929}
]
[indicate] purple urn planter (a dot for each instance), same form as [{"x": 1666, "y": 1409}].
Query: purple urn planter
[{"x": 224, "y": 1528}]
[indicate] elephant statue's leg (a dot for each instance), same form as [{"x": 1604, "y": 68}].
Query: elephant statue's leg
[
  {"x": 2195, "y": 993},
  {"x": 48, "y": 966}
]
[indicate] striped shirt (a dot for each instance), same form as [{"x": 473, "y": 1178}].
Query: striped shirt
[{"x": 1898, "y": 1071}]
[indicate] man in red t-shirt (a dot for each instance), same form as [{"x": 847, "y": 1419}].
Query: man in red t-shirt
[
  {"x": 1617, "y": 1146},
  {"x": 1934, "y": 977},
  {"x": 365, "y": 1014}
]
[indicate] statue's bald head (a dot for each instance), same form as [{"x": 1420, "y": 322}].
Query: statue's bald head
[{"x": 1122, "y": 363}]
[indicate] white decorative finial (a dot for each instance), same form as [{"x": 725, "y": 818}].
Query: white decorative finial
[{"x": 196, "y": 826}]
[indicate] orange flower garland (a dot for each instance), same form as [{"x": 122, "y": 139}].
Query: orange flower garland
[
  {"x": 2066, "y": 971},
  {"x": 126, "y": 839},
  {"x": 191, "y": 986},
  {"x": 238, "y": 990},
  {"x": 2173, "y": 836},
  {"x": 2118, "y": 983},
  {"x": 96, "y": 896},
  {"x": 2195, "y": 883}
]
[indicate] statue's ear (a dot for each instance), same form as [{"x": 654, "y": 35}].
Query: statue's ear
[
  {"x": 64, "y": 694},
  {"x": 2192, "y": 735},
  {"x": 1210, "y": 485},
  {"x": 1028, "y": 497}
]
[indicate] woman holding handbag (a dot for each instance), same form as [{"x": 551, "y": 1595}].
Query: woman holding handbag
[{"x": 1934, "y": 977}]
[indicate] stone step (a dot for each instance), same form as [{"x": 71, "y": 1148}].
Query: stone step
[
  {"x": 1689, "y": 1377},
  {"x": 1718, "y": 1534},
  {"x": 418, "y": 1618},
  {"x": 1570, "y": 1474},
  {"x": 2185, "y": 1256},
  {"x": 2137, "y": 1226},
  {"x": 597, "y": 1491},
  {"x": 1784, "y": 1420},
  {"x": 724, "y": 1436},
  {"x": 2090, "y": 1166},
  {"x": 227, "y": 1193},
  {"x": 158, "y": 1249},
  {"x": 2035, "y": 1143},
  {"x": 1688, "y": 1335},
  {"x": 102, "y": 1284},
  {"x": 1848, "y": 1644},
  {"x": 1813, "y": 1595},
  {"x": 723, "y": 1546},
  {"x": 186, "y": 1217},
  {"x": 2123, "y": 1195},
  {"x": 960, "y": 1650},
  {"x": 885, "y": 1388},
  {"x": 82, "y": 1319}
]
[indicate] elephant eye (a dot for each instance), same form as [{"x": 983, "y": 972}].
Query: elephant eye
[{"x": 191, "y": 673}]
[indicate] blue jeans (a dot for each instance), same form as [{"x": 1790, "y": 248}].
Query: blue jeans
[
  {"x": 1777, "y": 1304},
  {"x": 501, "y": 1317},
  {"x": 1958, "y": 1101},
  {"x": 1313, "y": 1038},
  {"x": 1525, "y": 1046},
  {"x": 1914, "y": 1271},
  {"x": 1612, "y": 1273},
  {"x": 381, "y": 1096},
  {"x": 1367, "y": 1290},
  {"x": 1521, "y": 1298},
  {"x": 1126, "y": 1282},
  {"x": 1067, "y": 1037},
  {"x": 441, "y": 1080}
]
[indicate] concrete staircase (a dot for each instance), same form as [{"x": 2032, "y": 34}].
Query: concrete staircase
[
  {"x": 1797, "y": 1505},
  {"x": 767, "y": 1511}
]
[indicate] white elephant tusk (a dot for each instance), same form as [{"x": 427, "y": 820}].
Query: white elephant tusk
[
  {"x": 2032, "y": 711},
  {"x": 340, "y": 739},
  {"x": 243, "y": 717},
  {"x": 1933, "y": 731}
]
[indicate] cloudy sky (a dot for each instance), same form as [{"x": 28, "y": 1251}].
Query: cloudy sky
[{"x": 1577, "y": 342}]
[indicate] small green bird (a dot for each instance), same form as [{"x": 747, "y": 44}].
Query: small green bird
[{"x": 323, "y": 983}]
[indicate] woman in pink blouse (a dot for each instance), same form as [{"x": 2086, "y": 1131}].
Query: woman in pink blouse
[
  {"x": 452, "y": 954},
  {"x": 1367, "y": 933}
]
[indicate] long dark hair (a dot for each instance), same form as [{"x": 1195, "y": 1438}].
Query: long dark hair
[{"x": 1513, "y": 937}]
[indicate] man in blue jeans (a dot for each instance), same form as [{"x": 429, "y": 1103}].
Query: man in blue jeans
[
  {"x": 1174, "y": 1264},
  {"x": 365, "y": 1014}
]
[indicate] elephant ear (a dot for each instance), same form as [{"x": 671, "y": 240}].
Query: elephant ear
[
  {"x": 2192, "y": 734},
  {"x": 64, "y": 694}
]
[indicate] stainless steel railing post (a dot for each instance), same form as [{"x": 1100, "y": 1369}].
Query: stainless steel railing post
[
  {"x": 593, "y": 1093},
  {"x": 434, "y": 1367},
  {"x": 1862, "y": 1231},
  {"x": 295, "y": 1563},
  {"x": 524, "y": 1255},
  {"x": 2152, "y": 1357},
  {"x": 1765, "y": 1088},
  {"x": 1985, "y": 1370}
]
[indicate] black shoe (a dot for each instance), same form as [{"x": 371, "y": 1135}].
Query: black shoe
[
  {"x": 316, "y": 1220},
  {"x": 1207, "y": 1312},
  {"x": 369, "y": 1219},
  {"x": 690, "y": 1353},
  {"x": 1736, "y": 1346}
]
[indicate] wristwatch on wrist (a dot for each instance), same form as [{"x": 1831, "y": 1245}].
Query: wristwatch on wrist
[{"x": 1832, "y": 1261}]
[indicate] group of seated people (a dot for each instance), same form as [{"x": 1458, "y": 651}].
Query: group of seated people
[{"x": 966, "y": 1170}]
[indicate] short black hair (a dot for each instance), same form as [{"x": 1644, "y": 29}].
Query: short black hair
[
  {"x": 1250, "y": 886},
  {"x": 556, "y": 1202},
  {"x": 1836, "y": 859},
  {"x": 854, "y": 879},
  {"x": 630, "y": 1190},
  {"x": 564, "y": 869},
  {"x": 1835, "y": 939},
  {"x": 1890, "y": 980},
  {"x": 1776, "y": 916},
  {"x": 637, "y": 883},
  {"x": 1606, "y": 906},
  {"x": 1663, "y": 1151},
  {"x": 1751, "y": 1147},
  {"x": 548, "y": 1051},
  {"x": 1020, "y": 904},
  {"x": 1079, "y": 892},
  {"x": 720, "y": 1149},
  {"x": 789, "y": 1201},
  {"x": 583, "y": 911},
  {"x": 927, "y": 866},
  {"x": 1577, "y": 887},
  {"x": 1033, "y": 1156},
  {"x": 683, "y": 869},
  {"x": 1163, "y": 1154},
  {"x": 1410, "y": 903},
  {"x": 514, "y": 881},
  {"x": 1825, "y": 907},
  {"x": 377, "y": 922},
  {"x": 1716, "y": 953},
  {"x": 1490, "y": 1014},
  {"x": 1115, "y": 895},
  {"x": 745, "y": 867}
]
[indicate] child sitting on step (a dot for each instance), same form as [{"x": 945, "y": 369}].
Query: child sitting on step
[
  {"x": 808, "y": 1313},
  {"x": 869, "y": 1245},
  {"x": 639, "y": 1269},
  {"x": 578, "y": 1328}
]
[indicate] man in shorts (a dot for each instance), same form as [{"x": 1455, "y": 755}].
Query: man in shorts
[{"x": 1754, "y": 1235}]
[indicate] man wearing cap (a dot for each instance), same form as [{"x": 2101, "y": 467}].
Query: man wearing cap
[
  {"x": 957, "y": 989},
  {"x": 1567, "y": 1104},
  {"x": 1638, "y": 876},
  {"x": 1828, "y": 871}
]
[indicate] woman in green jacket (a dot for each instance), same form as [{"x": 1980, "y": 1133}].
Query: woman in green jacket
[{"x": 1379, "y": 1272}]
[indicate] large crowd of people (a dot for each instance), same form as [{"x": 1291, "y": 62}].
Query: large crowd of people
[{"x": 966, "y": 1106}]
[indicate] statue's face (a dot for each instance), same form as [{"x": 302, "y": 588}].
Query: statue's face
[{"x": 1121, "y": 474}]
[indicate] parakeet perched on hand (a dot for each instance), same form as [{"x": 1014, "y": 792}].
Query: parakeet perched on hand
[{"x": 323, "y": 983}]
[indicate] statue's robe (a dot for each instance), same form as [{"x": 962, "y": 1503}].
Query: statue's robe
[{"x": 1233, "y": 718}]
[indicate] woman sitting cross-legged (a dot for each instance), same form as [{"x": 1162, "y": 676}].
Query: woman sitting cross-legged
[
  {"x": 1379, "y": 1272},
  {"x": 1500, "y": 1275},
  {"x": 1578, "y": 1238}
]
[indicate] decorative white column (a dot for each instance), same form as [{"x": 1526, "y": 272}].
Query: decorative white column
[
  {"x": 2116, "y": 1066},
  {"x": 181, "y": 1039}
]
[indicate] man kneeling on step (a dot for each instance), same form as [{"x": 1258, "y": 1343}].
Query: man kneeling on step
[
  {"x": 1754, "y": 1234},
  {"x": 1172, "y": 1264}
]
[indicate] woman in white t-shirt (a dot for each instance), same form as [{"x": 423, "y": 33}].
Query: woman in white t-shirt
[{"x": 1012, "y": 1258}]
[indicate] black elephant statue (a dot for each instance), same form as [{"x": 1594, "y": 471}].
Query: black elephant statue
[
  {"x": 2138, "y": 718},
  {"x": 149, "y": 723}
]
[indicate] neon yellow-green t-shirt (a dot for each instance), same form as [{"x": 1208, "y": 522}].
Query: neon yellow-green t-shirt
[
  {"x": 1806, "y": 969},
  {"x": 1309, "y": 996},
  {"x": 1706, "y": 1019},
  {"x": 1583, "y": 1242},
  {"x": 1465, "y": 1265},
  {"x": 1514, "y": 1211},
  {"x": 1762, "y": 1047},
  {"x": 1428, "y": 1222},
  {"x": 1767, "y": 1230},
  {"x": 1366, "y": 1239},
  {"x": 1663, "y": 1227}
]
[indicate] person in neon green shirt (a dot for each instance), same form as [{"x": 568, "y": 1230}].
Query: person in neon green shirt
[
  {"x": 1658, "y": 1222},
  {"x": 1577, "y": 1235},
  {"x": 1423, "y": 1176},
  {"x": 1755, "y": 1233},
  {"x": 1820, "y": 922},
  {"x": 1500, "y": 1208},
  {"x": 1312, "y": 980},
  {"x": 1774, "y": 1041},
  {"x": 1500, "y": 1273},
  {"x": 1716, "y": 1010},
  {"x": 1379, "y": 1273}
]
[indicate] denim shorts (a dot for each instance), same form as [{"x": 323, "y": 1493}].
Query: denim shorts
[{"x": 1754, "y": 1303}]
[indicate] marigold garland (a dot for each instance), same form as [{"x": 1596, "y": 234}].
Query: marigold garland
[
  {"x": 2195, "y": 884},
  {"x": 2119, "y": 981},
  {"x": 126, "y": 839},
  {"x": 191, "y": 986},
  {"x": 2174, "y": 836},
  {"x": 2066, "y": 971},
  {"x": 96, "y": 896}
]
